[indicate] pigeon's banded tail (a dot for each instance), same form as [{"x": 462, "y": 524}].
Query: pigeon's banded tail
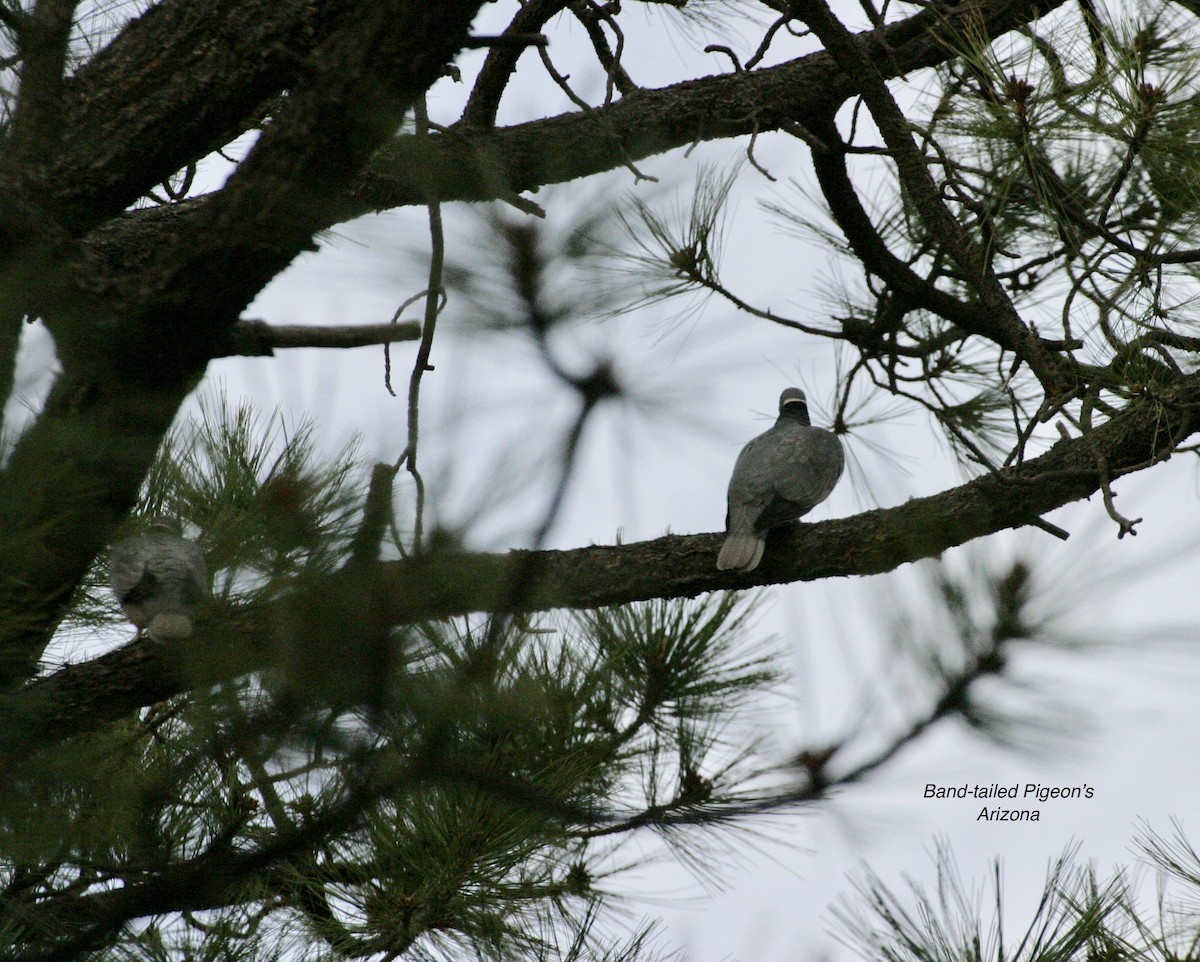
[{"x": 741, "y": 552}]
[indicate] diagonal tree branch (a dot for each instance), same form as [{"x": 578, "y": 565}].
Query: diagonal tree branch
[
  {"x": 466, "y": 164},
  {"x": 80, "y": 697},
  {"x": 869, "y": 247},
  {"x": 43, "y": 38},
  {"x": 180, "y": 81}
]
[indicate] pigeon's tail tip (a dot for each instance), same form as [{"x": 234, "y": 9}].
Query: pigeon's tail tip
[
  {"x": 172, "y": 626},
  {"x": 741, "y": 552}
]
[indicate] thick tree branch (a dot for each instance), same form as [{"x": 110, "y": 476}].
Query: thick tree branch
[
  {"x": 43, "y": 39},
  {"x": 465, "y": 164},
  {"x": 471, "y": 165},
  {"x": 80, "y": 697},
  {"x": 367, "y": 76},
  {"x": 180, "y": 81}
]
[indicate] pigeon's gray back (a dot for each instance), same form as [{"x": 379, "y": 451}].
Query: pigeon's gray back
[
  {"x": 159, "y": 571},
  {"x": 809, "y": 462},
  {"x": 790, "y": 462}
]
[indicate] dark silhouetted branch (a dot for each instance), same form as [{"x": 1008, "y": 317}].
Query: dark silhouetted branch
[{"x": 254, "y": 338}]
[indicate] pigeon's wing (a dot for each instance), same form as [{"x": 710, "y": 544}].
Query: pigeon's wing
[
  {"x": 127, "y": 570},
  {"x": 178, "y": 566},
  {"x": 142, "y": 590},
  {"x": 751, "y": 486},
  {"x": 809, "y": 461},
  {"x": 160, "y": 567}
]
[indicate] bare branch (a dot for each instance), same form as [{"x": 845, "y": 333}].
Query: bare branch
[
  {"x": 502, "y": 61},
  {"x": 434, "y": 301},
  {"x": 590, "y": 14},
  {"x": 254, "y": 338}
]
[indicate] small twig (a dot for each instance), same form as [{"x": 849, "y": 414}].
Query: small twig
[
  {"x": 506, "y": 40},
  {"x": 766, "y": 42},
  {"x": 590, "y": 14},
  {"x": 437, "y": 258},
  {"x": 562, "y": 80},
  {"x": 180, "y": 192},
  {"x": 754, "y": 161},
  {"x": 765, "y": 313},
  {"x": 800, "y": 132},
  {"x": 255, "y": 338},
  {"x": 1124, "y": 525},
  {"x": 728, "y": 51},
  {"x": 1053, "y": 529},
  {"x": 875, "y": 16},
  {"x": 387, "y": 351}
]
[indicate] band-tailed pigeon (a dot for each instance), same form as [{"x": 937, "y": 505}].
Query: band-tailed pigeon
[
  {"x": 159, "y": 577},
  {"x": 780, "y": 475}
]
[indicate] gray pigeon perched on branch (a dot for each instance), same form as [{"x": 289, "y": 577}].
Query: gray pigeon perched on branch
[
  {"x": 159, "y": 577},
  {"x": 781, "y": 475}
]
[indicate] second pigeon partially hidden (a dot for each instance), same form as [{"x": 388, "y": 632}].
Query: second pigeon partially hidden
[
  {"x": 159, "y": 578},
  {"x": 779, "y": 477}
]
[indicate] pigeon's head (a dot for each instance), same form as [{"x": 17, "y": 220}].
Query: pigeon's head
[
  {"x": 791, "y": 395},
  {"x": 168, "y": 524},
  {"x": 794, "y": 405}
]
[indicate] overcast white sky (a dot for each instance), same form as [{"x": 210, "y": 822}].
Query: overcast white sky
[{"x": 491, "y": 411}]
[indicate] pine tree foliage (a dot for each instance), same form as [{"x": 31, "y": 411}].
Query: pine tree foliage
[
  {"x": 471, "y": 798},
  {"x": 1080, "y": 914}
]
